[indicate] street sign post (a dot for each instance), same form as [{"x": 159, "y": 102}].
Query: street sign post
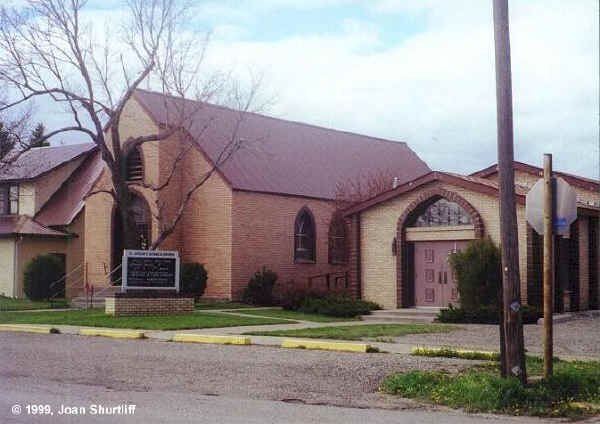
[
  {"x": 550, "y": 208},
  {"x": 565, "y": 207}
]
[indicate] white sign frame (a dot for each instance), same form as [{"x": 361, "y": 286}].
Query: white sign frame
[{"x": 171, "y": 254}]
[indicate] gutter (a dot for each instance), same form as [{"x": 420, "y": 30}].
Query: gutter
[{"x": 15, "y": 264}]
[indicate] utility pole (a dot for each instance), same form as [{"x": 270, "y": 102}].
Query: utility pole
[
  {"x": 511, "y": 290},
  {"x": 548, "y": 263}
]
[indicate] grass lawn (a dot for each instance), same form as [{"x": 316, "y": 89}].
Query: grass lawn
[
  {"x": 97, "y": 318},
  {"x": 293, "y": 315},
  {"x": 573, "y": 391},
  {"x": 359, "y": 332},
  {"x": 10, "y": 304},
  {"x": 221, "y": 305}
]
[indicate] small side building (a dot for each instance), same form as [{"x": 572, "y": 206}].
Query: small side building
[
  {"x": 41, "y": 202},
  {"x": 401, "y": 240}
]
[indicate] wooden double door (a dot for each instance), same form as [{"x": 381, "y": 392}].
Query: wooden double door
[{"x": 435, "y": 283}]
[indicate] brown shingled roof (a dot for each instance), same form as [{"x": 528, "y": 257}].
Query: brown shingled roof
[
  {"x": 23, "y": 225},
  {"x": 69, "y": 199},
  {"x": 286, "y": 157},
  {"x": 40, "y": 160}
]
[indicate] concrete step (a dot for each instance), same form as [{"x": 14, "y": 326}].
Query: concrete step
[
  {"x": 408, "y": 312},
  {"x": 98, "y": 300}
]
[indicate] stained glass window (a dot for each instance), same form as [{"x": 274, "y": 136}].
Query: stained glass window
[{"x": 443, "y": 213}]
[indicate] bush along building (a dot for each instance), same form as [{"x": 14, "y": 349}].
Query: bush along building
[{"x": 403, "y": 237}]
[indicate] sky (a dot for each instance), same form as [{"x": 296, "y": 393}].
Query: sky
[{"x": 418, "y": 71}]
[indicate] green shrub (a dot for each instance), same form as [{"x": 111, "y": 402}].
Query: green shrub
[
  {"x": 478, "y": 270},
  {"x": 484, "y": 315},
  {"x": 338, "y": 305},
  {"x": 260, "y": 288},
  {"x": 330, "y": 304},
  {"x": 292, "y": 299},
  {"x": 42, "y": 276},
  {"x": 193, "y": 279}
]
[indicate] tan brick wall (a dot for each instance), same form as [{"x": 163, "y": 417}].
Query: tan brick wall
[
  {"x": 206, "y": 220},
  {"x": 7, "y": 267},
  {"x": 206, "y": 225},
  {"x": 378, "y": 229},
  {"x": 263, "y": 235},
  {"x": 123, "y": 306},
  {"x": 98, "y": 234},
  {"x": 75, "y": 256}
]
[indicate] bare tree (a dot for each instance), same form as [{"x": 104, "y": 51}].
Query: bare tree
[
  {"x": 48, "y": 49},
  {"x": 15, "y": 134},
  {"x": 363, "y": 187}
]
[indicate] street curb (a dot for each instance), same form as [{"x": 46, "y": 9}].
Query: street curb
[
  {"x": 207, "y": 338},
  {"x": 28, "y": 329},
  {"x": 115, "y": 334},
  {"x": 320, "y": 345}
]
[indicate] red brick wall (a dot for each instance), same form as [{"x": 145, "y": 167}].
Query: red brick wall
[{"x": 263, "y": 235}]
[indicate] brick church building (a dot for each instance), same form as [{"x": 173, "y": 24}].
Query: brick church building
[{"x": 273, "y": 204}]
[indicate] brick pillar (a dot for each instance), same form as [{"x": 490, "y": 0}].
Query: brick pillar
[
  {"x": 354, "y": 283},
  {"x": 584, "y": 263},
  {"x": 534, "y": 268}
]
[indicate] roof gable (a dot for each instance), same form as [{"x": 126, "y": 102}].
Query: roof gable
[
  {"x": 286, "y": 157},
  {"x": 469, "y": 182},
  {"x": 69, "y": 199},
  {"x": 575, "y": 180},
  {"x": 480, "y": 185}
]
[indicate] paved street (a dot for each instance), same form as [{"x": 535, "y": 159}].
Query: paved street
[{"x": 171, "y": 382}]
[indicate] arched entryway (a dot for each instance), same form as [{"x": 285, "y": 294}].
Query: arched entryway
[
  {"x": 433, "y": 226},
  {"x": 140, "y": 216}
]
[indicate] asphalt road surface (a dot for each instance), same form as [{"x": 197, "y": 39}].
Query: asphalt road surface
[{"x": 102, "y": 380}]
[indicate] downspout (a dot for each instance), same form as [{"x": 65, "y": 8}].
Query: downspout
[{"x": 15, "y": 264}]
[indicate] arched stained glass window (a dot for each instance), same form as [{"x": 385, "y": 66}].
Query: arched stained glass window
[
  {"x": 140, "y": 216},
  {"x": 337, "y": 240},
  {"x": 442, "y": 213},
  {"x": 304, "y": 237}
]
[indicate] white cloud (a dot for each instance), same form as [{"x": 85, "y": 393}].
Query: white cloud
[{"x": 436, "y": 88}]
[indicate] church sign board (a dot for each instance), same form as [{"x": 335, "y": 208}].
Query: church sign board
[{"x": 150, "y": 270}]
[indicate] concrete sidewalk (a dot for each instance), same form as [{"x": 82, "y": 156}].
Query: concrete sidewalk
[{"x": 467, "y": 336}]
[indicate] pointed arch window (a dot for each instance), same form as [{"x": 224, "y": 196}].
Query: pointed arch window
[
  {"x": 135, "y": 166},
  {"x": 140, "y": 216},
  {"x": 337, "y": 240},
  {"x": 304, "y": 237}
]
